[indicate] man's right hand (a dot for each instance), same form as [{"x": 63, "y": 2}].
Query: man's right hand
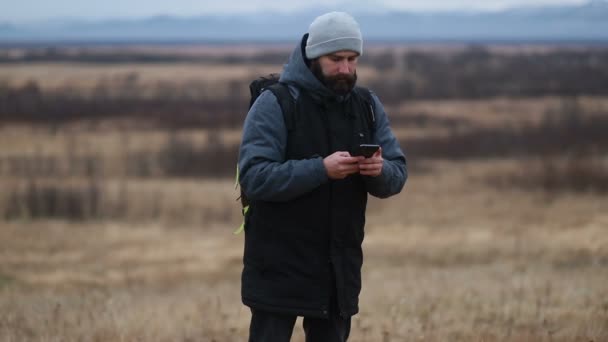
[{"x": 341, "y": 164}]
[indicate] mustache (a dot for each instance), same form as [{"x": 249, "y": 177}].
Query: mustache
[
  {"x": 341, "y": 77},
  {"x": 341, "y": 84}
]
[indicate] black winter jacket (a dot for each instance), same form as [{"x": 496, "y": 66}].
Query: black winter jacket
[{"x": 303, "y": 232}]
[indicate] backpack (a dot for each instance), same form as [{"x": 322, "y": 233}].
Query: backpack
[{"x": 288, "y": 107}]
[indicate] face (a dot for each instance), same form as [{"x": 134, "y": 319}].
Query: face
[
  {"x": 338, "y": 71},
  {"x": 339, "y": 63}
]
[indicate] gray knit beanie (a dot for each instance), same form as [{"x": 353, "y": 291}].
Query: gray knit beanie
[{"x": 332, "y": 32}]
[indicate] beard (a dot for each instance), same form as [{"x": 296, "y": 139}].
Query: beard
[{"x": 340, "y": 84}]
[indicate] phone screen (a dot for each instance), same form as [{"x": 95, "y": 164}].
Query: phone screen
[{"x": 368, "y": 150}]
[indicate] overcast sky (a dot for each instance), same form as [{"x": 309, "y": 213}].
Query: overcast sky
[{"x": 15, "y": 11}]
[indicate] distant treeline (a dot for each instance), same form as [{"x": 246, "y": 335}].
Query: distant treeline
[
  {"x": 570, "y": 130},
  {"x": 472, "y": 73},
  {"x": 172, "y": 107},
  {"x": 478, "y": 73},
  {"x": 57, "y": 54}
]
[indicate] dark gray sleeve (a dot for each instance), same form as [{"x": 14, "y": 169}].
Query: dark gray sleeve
[
  {"x": 394, "y": 170},
  {"x": 264, "y": 172}
]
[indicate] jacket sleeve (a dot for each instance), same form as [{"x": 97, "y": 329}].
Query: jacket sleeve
[
  {"x": 264, "y": 172},
  {"x": 394, "y": 170}
]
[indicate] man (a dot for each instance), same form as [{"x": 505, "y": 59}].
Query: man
[{"x": 308, "y": 187}]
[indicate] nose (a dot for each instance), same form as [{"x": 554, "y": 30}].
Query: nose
[{"x": 343, "y": 67}]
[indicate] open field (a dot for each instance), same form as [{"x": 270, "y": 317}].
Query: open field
[
  {"x": 117, "y": 202},
  {"x": 451, "y": 258},
  {"x": 85, "y": 76},
  {"x": 410, "y": 119}
]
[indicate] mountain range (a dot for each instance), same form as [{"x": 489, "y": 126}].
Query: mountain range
[{"x": 565, "y": 23}]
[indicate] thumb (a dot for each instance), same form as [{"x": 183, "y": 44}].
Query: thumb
[{"x": 378, "y": 153}]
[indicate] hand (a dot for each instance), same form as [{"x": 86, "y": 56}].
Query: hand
[
  {"x": 372, "y": 166},
  {"x": 341, "y": 164}
]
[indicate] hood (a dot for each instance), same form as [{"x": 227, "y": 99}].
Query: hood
[{"x": 297, "y": 73}]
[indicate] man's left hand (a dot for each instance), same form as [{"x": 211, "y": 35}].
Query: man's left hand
[{"x": 372, "y": 166}]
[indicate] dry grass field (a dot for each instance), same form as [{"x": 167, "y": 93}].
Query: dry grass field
[
  {"x": 450, "y": 259},
  {"x": 464, "y": 253}
]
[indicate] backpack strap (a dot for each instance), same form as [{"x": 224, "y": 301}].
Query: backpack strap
[
  {"x": 257, "y": 86},
  {"x": 287, "y": 103},
  {"x": 288, "y": 108},
  {"x": 365, "y": 95}
]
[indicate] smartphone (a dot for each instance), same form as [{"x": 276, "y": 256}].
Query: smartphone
[{"x": 368, "y": 150}]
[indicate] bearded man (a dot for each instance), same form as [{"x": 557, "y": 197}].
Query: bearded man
[{"x": 308, "y": 186}]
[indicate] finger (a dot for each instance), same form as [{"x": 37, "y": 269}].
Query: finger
[
  {"x": 367, "y": 172},
  {"x": 371, "y": 163},
  {"x": 369, "y": 168},
  {"x": 352, "y": 160},
  {"x": 368, "y": 161},
  {"x": 375, "y": 168},
  {"x": 371, "y": 171},
  {"x": 354, "y": 168},
  {"x": 378, "y": 153},
  {"x": 376, "y": 160}
]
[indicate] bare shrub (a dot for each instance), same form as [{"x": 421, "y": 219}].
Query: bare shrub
[
  {"x": 477, "y": 72},
  {"x": 39, "y": 165},
  {"x": 180, "y": 157},
  {"x": 37, "y": 200},
  {"x": 578, "y": 173},
  {"x": 172, "y": 105},
  {"x": 581, "y": 173},
  {"x": 568, "y": 129}
]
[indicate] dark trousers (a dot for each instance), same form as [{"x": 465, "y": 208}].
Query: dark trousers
[{"x": 270, "y": 327}]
